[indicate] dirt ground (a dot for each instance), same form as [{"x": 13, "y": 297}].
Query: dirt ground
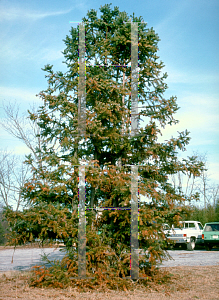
[{"x": 187, "y": 283}]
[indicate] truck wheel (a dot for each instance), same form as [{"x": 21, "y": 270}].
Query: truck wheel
[
  {"x": 208, "y": 247},
  {"x": 191, "y": 245}
]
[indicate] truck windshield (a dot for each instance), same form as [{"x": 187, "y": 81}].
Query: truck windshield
[{"x": 200, "y": 226}]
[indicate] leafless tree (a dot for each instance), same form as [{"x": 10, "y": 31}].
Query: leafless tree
[
  {"x": 13, "y": 170},
  {"x": 13, "y": 174},
  {"x": 22, "y": 128},
  {"x": 188, "y": 183},
  {"x": 215, "y": 193},
  {"x": 208, "y": 189}
]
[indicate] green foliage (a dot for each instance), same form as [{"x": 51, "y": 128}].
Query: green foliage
[
  {"x": 217, "y": 210},
  {"x": 2, "y": 232},
  {"x": 204, "y": 215},
  {"x": 3, "y": 228},
  {"x": 108, "y": 149},
  {"x": 44, "y": 222}
]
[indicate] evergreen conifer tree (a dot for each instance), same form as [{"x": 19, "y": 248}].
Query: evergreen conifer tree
[{"x": 107, "y": 148}]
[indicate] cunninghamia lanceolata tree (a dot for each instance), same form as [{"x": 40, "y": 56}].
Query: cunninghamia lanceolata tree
[{"x": 108, "y": 149}]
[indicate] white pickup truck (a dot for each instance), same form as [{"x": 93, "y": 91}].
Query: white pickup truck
[{"x": 190, "y": 234}]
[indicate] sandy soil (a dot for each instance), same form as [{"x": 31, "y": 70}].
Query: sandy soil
[{"x": 188, "y": 283}]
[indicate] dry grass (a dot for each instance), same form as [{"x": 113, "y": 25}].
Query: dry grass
[{"x": 187, "y": 283}]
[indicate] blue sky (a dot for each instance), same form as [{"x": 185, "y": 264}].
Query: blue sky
[{"x": 32, "y": 34}]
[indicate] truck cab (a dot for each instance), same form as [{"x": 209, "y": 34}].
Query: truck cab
[{"x": 189, "y": 234}]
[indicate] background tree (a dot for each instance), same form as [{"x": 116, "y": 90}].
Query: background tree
[
  {"x": 13, "y": 175},
  {"x": 22, "y": 128},
  {"x": 13, "y": 171},
  {"x": 4, "y": 229},
  {"x": 108, "y": 149},
  {"x": 204, "y": 190},
  {"x": 210, "y": 213},
  {"x": 209, "y": 191}
]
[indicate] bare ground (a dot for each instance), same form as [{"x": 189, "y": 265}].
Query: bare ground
[
  {"x": 187, "y": 283},
  {"x": 30, "y": 246}
]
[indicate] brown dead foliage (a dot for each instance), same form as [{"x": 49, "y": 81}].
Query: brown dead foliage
[{"x": 186, "y": 283}]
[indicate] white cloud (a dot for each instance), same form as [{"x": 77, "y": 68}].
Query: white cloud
[
  {"x": 19, "y": 49},
  {"x": 199, "y": 114},
  {"x": 203, "y": 127},
  {"x": 214, "y": 171},
  {"x": 15, "y": 13},
  {"x": 16, "y": 94},
  {"x": 176, "y": 76},
  {"x": 51, "y": 54},
  {"x": 21, "y": 150},
  {"x": 196, "y": 120},
  {"x": 201, "y": 101}
]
